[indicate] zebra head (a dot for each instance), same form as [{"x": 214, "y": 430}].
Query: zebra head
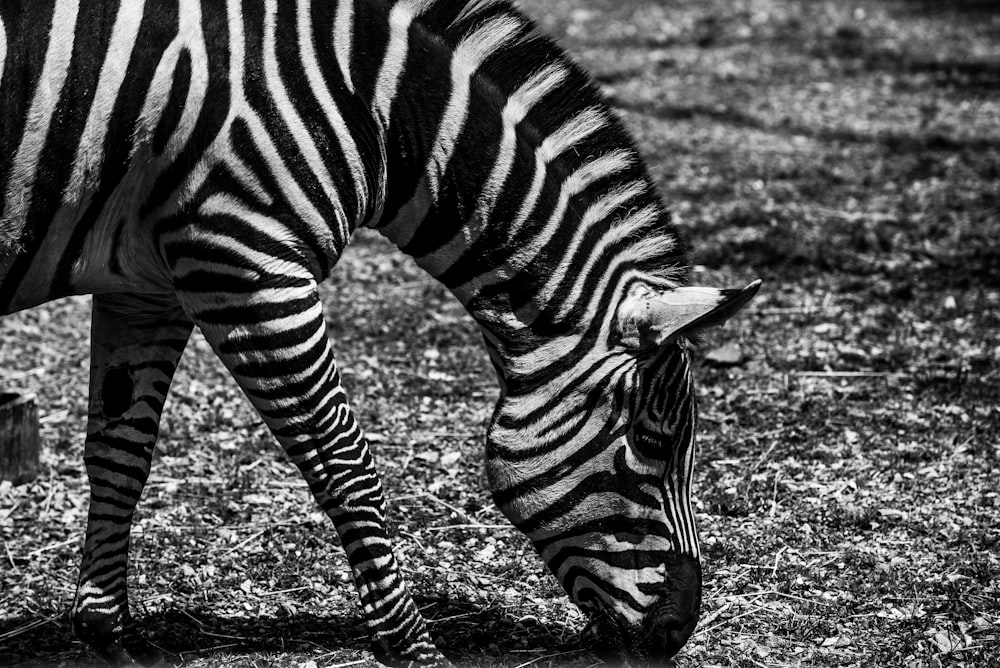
[{"x": 593, "y": 460}]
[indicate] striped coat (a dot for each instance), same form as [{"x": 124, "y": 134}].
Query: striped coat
[{"x": 204, "y": 162}]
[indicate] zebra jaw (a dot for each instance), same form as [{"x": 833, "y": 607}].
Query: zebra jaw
[{"x": 649, "y": 318}]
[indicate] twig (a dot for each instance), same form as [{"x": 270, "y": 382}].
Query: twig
[
  {"x": 415, "y": 539},
  {"x": 54, "y": 417},
  {"x": 409, "y": 285},
  {"x": 452, "y": 617},
  {"x": 192, "y": 617},
  {"x": 767, "y": 453},
  {"x": 969, "y": 648},
  {"x": 30, "y": 626},
  {"x": 10, "y": 557},
  {"x": 777, "y": 556},
  {"x": 248, "y": 540},
  {"x": 771, "y": 512},
  {"x": 848, "y": 374},
  {"x": 327, "y": 652},
  {"x": 48, "y": 497},
  {"x": 800, "y": 599},
  {"x": 405, "y": 497},
  {"x": 795, "y": 310},
  {"x": 547, "y": 656},
  {"x": 283, "y": 591},
  {"x": 225, "y": 636},
  {"x": 215, "y": 527},
  {"x": 11, "y": 511},
  {"x": 447, "y": 505},
  {"x": 470, "y": 526},
  {"x": 854, "y": 216},
  {"x": 183, "y": 482},
  {"x": 705, "y": 631},
  {"x": 216, "y": 648},
  {"x": 754, "y": 595},
  {"x": 21, "y": 375},
  {"x": 712, "y": 616},
  {"x": 409, "y": 458},
  {"x": 162, "y": 650},
  {"x": 54, "y": 546}
]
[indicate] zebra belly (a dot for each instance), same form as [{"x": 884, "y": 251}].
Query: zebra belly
[
  {"x": 86, "y": 248},
  {"x": 99, "y": 101}
]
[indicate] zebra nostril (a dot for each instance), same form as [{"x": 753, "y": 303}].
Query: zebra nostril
[
  {"x": 669, "y": 634},
  {"x": 673, "y": 622}
]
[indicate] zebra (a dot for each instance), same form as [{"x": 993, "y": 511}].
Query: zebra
[{"x": 205, "y": 162}]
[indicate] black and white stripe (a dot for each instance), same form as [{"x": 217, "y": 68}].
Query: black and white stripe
[{"x": 204, "y": 162}]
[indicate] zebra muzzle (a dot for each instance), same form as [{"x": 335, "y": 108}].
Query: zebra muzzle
[{"x": 666, "y": 628}]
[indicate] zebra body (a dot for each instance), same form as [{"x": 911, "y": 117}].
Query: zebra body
[{"x": 204, "y": 162}]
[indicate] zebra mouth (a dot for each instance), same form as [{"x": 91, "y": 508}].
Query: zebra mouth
[
  {"x": 602, "y": 638},
  {"x": 616, "y": 645}
]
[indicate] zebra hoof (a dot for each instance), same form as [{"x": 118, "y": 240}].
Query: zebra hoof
[
  {"x": 131, "y": 652},
  {"x": 436, "y": 662},
  {"x": 117, "y": 656},
  {"x": 425, "y": 662},
  {"x": 426, "y": 656}
]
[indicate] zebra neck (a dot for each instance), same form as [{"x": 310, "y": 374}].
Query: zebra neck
[{"x": 510, "y": 180}]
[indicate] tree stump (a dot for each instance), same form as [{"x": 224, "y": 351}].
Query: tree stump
[{"x": 20, "y": 443}]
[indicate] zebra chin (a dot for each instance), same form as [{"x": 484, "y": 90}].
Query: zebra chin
[{"x": 660, "y": 632}]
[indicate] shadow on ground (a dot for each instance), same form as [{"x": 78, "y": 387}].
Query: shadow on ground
[
  {"x": 181, "y": 636},
  {"x": 466, "y": 633},
  {"x": 935, "y": 7}
]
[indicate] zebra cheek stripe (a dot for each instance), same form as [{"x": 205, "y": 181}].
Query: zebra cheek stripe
[{"x": 205, "y": 163}]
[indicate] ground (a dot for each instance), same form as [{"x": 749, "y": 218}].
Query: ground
[{"x": 847, "y": 153}]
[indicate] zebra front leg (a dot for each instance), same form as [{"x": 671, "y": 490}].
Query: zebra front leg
[
  {"x": 135, "y": 348},
  {"x": 274, "y": 342}
]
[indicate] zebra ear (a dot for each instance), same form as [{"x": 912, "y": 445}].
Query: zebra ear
[{"x": 648, "y": 318}]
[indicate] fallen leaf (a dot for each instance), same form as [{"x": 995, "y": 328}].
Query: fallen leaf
[{"x": 729, "y": 354}]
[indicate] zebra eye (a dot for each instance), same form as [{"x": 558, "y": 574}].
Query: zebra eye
[{"x": 647, "y": 442}]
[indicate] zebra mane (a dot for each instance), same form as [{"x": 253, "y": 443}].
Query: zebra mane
[
  {"x": 474, "y": 7},
  {"x": 10, "y": 241},
  {"x": 453, "y": 20}
]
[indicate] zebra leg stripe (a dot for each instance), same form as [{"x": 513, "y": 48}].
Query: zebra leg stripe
[
  {"x": 274, "y": 342},
  {"x": 133, "y": 360}
]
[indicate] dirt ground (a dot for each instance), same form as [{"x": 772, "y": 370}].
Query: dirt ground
[{"x": 848, "y": 153}]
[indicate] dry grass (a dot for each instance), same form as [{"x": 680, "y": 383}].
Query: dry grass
[{"x": 849, "y": 154}]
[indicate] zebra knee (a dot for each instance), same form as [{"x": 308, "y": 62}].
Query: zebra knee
[{"x": 119, "y": 440}]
